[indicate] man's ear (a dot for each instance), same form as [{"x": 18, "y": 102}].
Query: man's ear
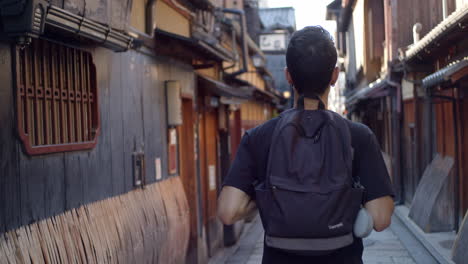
[
  {"x": 288, "y": 76},
  {"x": 335, "y": 74}
]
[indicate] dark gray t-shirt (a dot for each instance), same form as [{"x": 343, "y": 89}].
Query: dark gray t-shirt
[{"x": 250, "y": 165}]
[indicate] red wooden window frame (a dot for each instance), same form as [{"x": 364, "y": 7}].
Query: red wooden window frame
[{"x": 56, "y": 98}]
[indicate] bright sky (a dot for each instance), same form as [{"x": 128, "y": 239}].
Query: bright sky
[{"x": 308, "y": 12}]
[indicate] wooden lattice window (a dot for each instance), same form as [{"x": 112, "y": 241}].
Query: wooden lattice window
[{"x": 56, "y": 97}]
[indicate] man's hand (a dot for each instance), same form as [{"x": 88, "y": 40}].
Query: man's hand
[
  {"x": 381, "y": 210},
  {"x": 233, "y": 205}
]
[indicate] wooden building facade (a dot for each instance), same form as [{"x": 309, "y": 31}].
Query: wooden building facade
[
  {"x": 412, "y": 96},
  {"x": 116, "y": 127}
]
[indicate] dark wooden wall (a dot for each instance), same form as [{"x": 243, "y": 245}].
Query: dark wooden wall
[
  {"x": 408, "y": 153},
  {"x": 187, "y": 162},
  {"x": 445, "y": 208},
  {"x": 209, "y": 157},
  {"x": 133, "y": 118},
  {"x": 463, "y": 151},
  {"x": 409, "y": 12}
]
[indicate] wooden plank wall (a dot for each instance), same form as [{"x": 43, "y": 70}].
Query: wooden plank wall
[
  {"x": 133, "y": 117},
  {"x": 253, "y": 114},
  {"x": 463, "y": 157},
  {"x": 409, "y": 182},
  {"x": 187, "y": 162},
  {"x": 235, "y": 131},
  {"x": 211, "y": 161},
  {"x": 10, "y": 199},
  {"x": 211, "y": 133},
  {"x": 148, "y": 225},
  {"x": 443, "y": 218},
  {"x": 409, "y": 12}
]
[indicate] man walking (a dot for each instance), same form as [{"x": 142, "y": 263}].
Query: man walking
[{"x": 309, "y": 170}]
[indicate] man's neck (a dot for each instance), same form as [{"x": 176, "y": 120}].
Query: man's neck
[{"x": 311, "y": 104}]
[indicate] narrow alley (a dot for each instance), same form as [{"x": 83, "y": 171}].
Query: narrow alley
[{"x": 122, "y": 120}]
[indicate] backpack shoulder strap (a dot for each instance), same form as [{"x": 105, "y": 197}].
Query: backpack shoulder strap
[{"x": 284, "y": 118}]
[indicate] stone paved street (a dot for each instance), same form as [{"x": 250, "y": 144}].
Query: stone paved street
[{"x": 380, "y": 248}]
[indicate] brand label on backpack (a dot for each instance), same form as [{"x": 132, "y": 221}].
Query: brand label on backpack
[{"x": 331, "y": 227}]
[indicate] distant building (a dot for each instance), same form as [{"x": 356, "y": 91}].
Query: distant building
[
  {"x": 278, "y": 26},
  {"x": 336, "y": 98}
]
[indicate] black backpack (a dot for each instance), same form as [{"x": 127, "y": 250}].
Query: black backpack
[{"x": 309, "y": 200}]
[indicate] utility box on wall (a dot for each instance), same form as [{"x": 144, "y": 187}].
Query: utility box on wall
[{"x": 174, "y": 103}]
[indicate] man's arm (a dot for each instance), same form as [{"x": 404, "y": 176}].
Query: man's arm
[
  {"x": 370, "y": 167},
  {"x": 235, "y": 200},
  {"x": 381, "y": 210},
  {"x": 233, "y": 205}
]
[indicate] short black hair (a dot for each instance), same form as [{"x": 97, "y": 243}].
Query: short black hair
[{"x": 311, "y": 58}]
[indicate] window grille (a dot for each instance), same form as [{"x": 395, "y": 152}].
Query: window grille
[{"x": 56, "y": 98}]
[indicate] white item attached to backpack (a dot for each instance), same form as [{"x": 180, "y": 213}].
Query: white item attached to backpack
[{"x": 364, "y": 224}]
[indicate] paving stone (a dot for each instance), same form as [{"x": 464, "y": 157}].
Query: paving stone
[
  {"x": 235, "y": 261},
  {"x": 403, "y": 260}
]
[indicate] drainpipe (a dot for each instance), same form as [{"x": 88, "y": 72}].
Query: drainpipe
[
  {"x": 417, "y": 32},
  {"x": 444, "y": 9},
  {"x": 149, "y": 17},
  {"x": 241, "y": 15}
]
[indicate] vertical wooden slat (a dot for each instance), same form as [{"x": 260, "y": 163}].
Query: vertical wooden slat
[
  {"x": 29, "y": 95},
  {"x": 73, "y": 85},
  {"x": 83, "y": 95},
  {"x": 86, "y": 106},
  {"x": 46, "y": 93},
  {"x": 21, "y": 79},
  {"x": 55, "y": 93},
  {"x": 90, "y": 95},
  {"x": 62, "y": 67},
  {"x": 28, "y": 92},
  {"x": 82, "y": 92},
  {"x": 71, "y": 132},
  {"x": 76, "y": 85},
  {"x": 37, "y": 99}
]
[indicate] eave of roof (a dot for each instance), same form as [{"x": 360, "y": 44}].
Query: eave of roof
[
  {"x": 345, "y": 16},
  {"x": 259, "y": 93},
  {"x": 453, "y": 21},
  {"x": 367, "y": 92},
  {"x": 195, "y": 45},
  {"x": 222, "y": 89},
  {"x": 445, "y": 74},
  {"x": 333, "y": 9}
]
